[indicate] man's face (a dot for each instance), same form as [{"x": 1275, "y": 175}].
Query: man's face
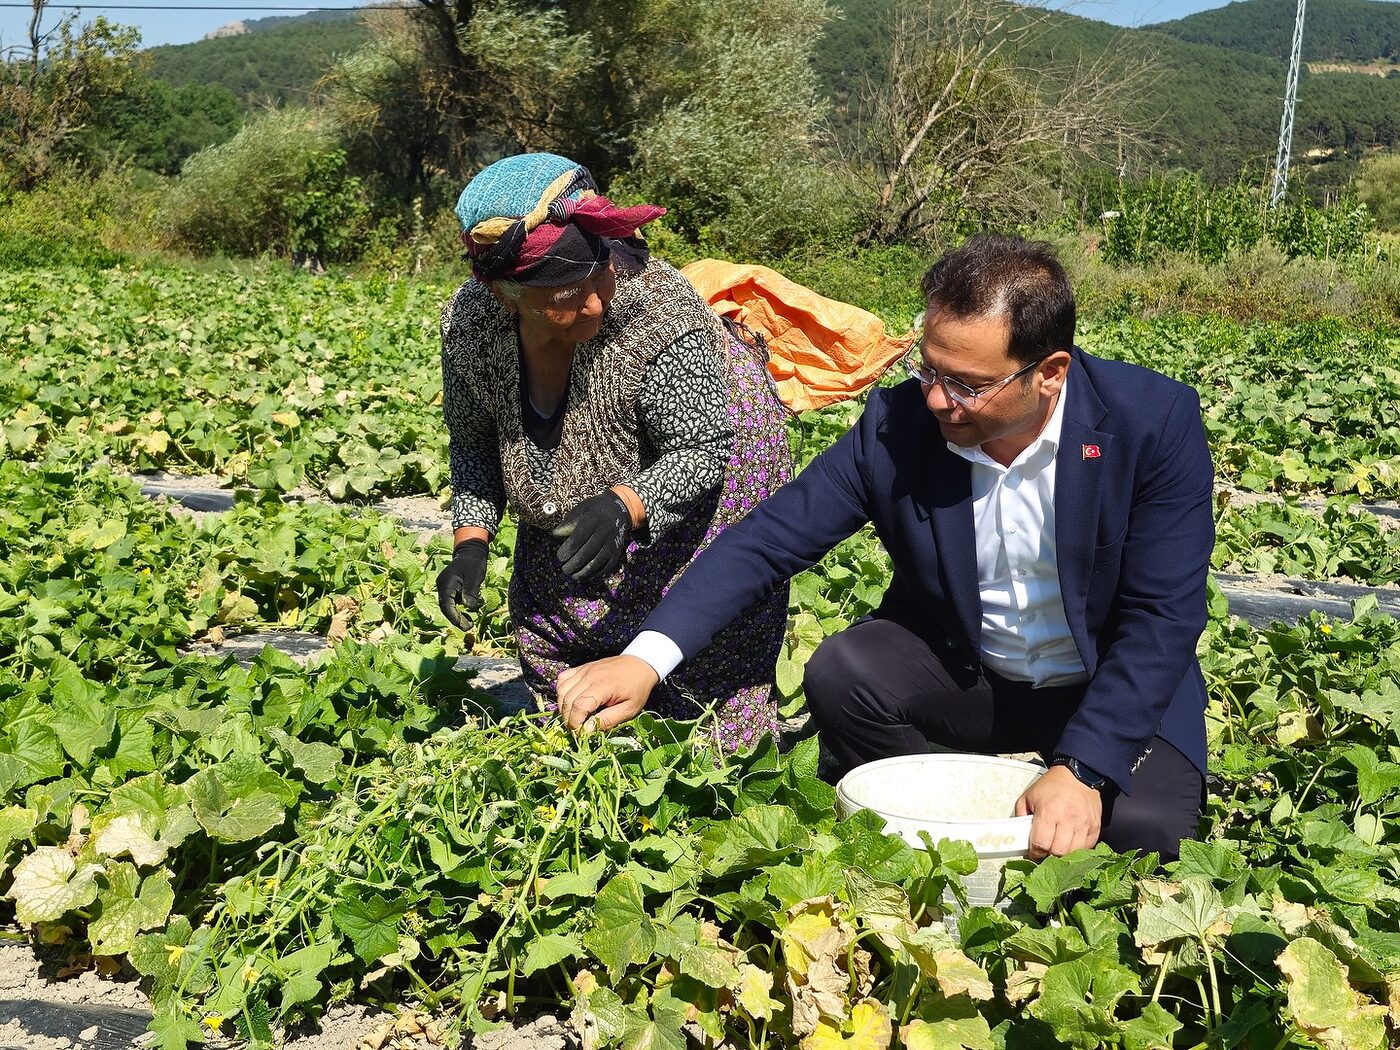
[{"x": 974, "y": 352}]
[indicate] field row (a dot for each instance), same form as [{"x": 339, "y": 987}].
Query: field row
[
  {"x": 279, "y": 381},
  {"x": 258, "y": 843}
]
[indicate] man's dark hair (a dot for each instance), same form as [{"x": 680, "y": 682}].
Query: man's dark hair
[{"x": 996, "y": 274}]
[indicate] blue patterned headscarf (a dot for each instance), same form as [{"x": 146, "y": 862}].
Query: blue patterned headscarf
[{"x": 538, "y": 219}]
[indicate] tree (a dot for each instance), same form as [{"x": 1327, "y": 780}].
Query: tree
[
  {"x": 737, "y": 152},
  {"x": 960, "y": 134},
  {"x": 49, "y": 92}
]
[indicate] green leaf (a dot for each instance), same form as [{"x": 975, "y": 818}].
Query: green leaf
[
  {"x": 228, "y": 815},
  {"x": 175, "y": 1031},
  {"x": 301, "y": 973},
  {"x": 49, "y": 883},
  {"x": 81, "y": 718},
  {"x": 550, "y": 950},
  {"x": 582, "y": 882},
  {"x": 1324, "y": 1005},
  {"x": 16, "y": 825},
  {"x": 622, "y": 934},
  {"x": 1153, "y": 1029},
  {"x": 371, "y": 922},
  {"x": 129, "y": 905},
  {"x": 759, "y": 836},
  {"x": 791, "y": 883},
  {"x": 318, "y": 762},
  {"x": 1055, "y": 876}
]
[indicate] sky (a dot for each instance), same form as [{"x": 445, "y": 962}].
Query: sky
[{"x": 182, "y": 27}]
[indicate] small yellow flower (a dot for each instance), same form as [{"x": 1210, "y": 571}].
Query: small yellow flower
[
  {"x": 644, "y": 822},
  {"x": 209, "y": 915},
  {"x": 272, "y": 884},
  {"x": 1326, "y": 628},
  {"x": 214, "y": 1022},
  {"x": 250, "y": 975},
  {"x": 546, "y": 812},
  {"x": 563, "y": 786},
  {"x": 173, "y": 953}
]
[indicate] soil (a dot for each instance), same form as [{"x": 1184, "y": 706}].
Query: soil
[{"x": 43, "y": 1008}]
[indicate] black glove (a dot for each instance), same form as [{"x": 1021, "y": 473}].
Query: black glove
[
  {"x": 595, "y": 536},
  {"x": 461, "y": 581}
]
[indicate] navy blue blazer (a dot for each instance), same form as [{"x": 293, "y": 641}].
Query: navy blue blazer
[{"x": 1134, "y": 531}]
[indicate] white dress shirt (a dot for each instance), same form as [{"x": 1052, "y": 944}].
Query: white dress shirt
[{"x": 1025, "y": 635}]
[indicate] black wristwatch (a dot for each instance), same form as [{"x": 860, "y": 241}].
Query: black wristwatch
[{"x": 1086, "y": 775}]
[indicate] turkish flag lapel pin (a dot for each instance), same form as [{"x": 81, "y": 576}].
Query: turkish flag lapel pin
[{"x": 1091, "y": 451}]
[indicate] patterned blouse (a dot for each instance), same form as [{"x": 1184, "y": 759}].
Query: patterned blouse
[{"x": 686, "y": 439}]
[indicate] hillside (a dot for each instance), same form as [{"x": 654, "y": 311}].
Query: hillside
[
  {"x": 1335, "y": 30},
  {"x": 1214, "y": 109},
  {"x": 278, "y": 60}
]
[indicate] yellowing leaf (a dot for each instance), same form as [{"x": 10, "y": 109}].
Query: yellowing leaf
[
  {"x": 959, "y": 975},
  {"x": 753, "y": 992},
  {"x": 954, "y": 1033},
  {"x": 1298, "y": 727},
  {"x": 1324, "y": 1005},
  {"x": 286, "y": 419},
  {"x": 868, "y": 1028},
  {"x": 49, "y": 883},
  {"x": 155, "y": 443}
]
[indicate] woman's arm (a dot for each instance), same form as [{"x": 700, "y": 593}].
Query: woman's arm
[
  {"x": 478, "y": 491},
  {"x": 683, "y": 409}
]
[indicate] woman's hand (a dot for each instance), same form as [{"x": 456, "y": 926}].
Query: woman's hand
[
  {"x": 595, "y": 536},
  {"x": 460, "y": 583},
  {"x": 605, "y": 693}
]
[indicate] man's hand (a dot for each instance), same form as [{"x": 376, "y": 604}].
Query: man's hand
[
  {"x": 605, "y": 693},
  {"x": 1067, "y": 814}
]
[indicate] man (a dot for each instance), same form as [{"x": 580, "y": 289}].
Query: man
[{"x": 1048, "y": 515}]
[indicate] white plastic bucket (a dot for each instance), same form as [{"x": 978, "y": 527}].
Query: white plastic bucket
[{"x": 969, "y": 797}]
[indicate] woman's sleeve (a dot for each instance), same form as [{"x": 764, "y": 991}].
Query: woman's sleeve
[
  {"x": 478, "y": 493},
  {"x": 684, "y": 410}
]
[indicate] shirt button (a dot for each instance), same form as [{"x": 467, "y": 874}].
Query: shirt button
[
  {"x": 1012, "y": 529},
  {"x": 551, "y": 508},
  {"x": 1020, "y": 572}
]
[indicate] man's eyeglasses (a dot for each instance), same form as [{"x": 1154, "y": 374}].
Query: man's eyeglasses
[{"x": 959, "y": 392}]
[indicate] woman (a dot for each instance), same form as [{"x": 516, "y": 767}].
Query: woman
[{"x": 591, "y": 389}]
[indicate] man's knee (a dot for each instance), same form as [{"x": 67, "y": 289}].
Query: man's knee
[{"x": 832, "y": 674}]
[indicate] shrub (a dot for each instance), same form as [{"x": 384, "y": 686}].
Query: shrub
[
  {"x": 238, "y": 197},
  {"x": 1378, "y": 187},
  {"x": 91, "y": 221}
]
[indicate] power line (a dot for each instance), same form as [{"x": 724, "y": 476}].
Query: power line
[{"x": 186, "y": 7}]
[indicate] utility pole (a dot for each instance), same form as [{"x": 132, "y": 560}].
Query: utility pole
[{"x": 1290, "y": 102}]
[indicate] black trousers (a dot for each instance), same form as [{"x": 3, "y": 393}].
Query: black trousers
[{"x": 877, "y": 690}]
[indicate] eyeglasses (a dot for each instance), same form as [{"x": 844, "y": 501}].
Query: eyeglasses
[{"x": 959, "y": 392}]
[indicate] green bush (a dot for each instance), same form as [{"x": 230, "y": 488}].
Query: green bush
[
  {"x": 1378, "y": 187},
  {"x": 327, "y": 217},
  {"x": 238, "y": 197},
  {"x": 1335, "y": 232},
  {"x": 91, "y": 221},
  {"x": 1180, "y": 214}
]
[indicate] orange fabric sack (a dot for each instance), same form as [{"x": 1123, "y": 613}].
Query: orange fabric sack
[{"x": 820, "y": 351}]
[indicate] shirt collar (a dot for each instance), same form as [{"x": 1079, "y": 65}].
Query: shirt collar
[{"x": 1048, "y": 440}]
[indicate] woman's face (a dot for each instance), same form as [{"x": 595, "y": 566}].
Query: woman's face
[{"x": 571, "y": 312}]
